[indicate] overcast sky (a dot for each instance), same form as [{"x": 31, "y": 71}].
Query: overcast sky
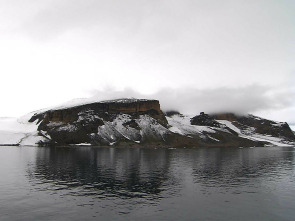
[{"x": 211, "y": 55}]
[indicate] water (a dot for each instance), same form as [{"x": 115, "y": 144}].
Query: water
[{"x": 90, "y": 183}]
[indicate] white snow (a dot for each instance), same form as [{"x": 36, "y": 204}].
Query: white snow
[
  {"x": 212, "y": 138},
  {"x": 112, "y": 131},
  {"x": 230, "y": 125},
  {"x": 15, "y": 131},
  {"x": 278, "y": 124},
  {"x": 251, "y": 135},
  {"x": 82, "y": 144},
  {"x": 54, "y": 124},
  {"x": 10, "y": 138},
  {"x": 181, "y": 124},
  {"x": 176, "y": 130},
  {"x": 31, "y": 139},
  {"x": 124, "y": 100},
  {"x": 15, "y": 125},
  {"x": 148, "y": 126},
  {"x": 67, "y": 127},
  {"x": 84, "y": 101},
  {"x": 126, "y": 131},
  {"x": 108, "y": 132}
]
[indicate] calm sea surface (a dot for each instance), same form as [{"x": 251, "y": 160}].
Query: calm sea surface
[{"x": 89, "y": 183}]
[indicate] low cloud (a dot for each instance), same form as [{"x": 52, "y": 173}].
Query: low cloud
[{"x": 192, "y": 101}]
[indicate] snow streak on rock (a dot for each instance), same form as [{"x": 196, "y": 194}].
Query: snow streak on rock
[{"x": 249, "y": 133}]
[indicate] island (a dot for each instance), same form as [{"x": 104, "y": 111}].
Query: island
[{"x": 140, "y": 123}]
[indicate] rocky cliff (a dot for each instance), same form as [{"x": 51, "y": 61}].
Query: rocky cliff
[
  {"x": 101, "y": 123},
  {"x": 141, "y": 122},
  {"x": 104, "y": 108}
]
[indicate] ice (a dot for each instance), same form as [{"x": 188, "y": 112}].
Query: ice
[
  {"x": 15, "y": 131},
  {"x": 31, "y": 139},
  {"x": 10, "y": 138}
]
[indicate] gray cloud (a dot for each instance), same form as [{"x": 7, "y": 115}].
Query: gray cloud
[
  {"x": 203, "y": 41},
  {"x": 247, "y": 99},
  {"x": 150, "y": 45},
  {"x": 63, "y": 15}
]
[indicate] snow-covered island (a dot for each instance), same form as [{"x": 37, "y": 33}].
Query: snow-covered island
[{"x": 139, "y": 122}]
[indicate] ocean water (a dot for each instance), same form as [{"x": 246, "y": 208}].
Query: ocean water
[{"x": 92, "y": 183}]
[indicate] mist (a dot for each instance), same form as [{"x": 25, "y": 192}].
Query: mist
[
  {"x": 243, "y": 100},
  {"x": 193, "y": 56}
]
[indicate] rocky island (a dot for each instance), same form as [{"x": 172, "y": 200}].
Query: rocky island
[{"x": 140, "y": 122}]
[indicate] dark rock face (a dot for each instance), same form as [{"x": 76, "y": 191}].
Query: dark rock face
[
  {"x": 131, "y": 106},
  {"x": 258, "y": 125},
  {"x": 132, "y": 123},
  {"x": 80, "y": 124},
  {"x": 204, "y": 120}
]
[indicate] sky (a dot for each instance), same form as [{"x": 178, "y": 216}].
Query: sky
[{"x": 192, "y": 55}]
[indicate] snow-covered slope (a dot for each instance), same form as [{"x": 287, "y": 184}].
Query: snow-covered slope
[
  {"x": 15, "y": 131},
  {"x": 119, "y": 129},
  {"x": 181, "y": 124},
  {"x": 249, "y": 133}
]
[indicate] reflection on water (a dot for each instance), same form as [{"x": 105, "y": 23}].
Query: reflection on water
[
  {"x": 147, "y": 184},
  {"x": 230, "y": 168},
  {"x": 104, "y": 172}
]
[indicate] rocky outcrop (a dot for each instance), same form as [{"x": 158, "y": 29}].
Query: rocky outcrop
[
  {"x": 250, "y": 123},
  {"x": 204, "y": 120},
  {"x": 82, "y": 124}
]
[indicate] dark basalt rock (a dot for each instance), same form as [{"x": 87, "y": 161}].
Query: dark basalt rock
[{"x": 204, "y": 120}]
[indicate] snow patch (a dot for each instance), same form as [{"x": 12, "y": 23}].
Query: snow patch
[
  {"x": 230, "y": 125},
  {"x": 150, "y": 127},
  {"x": 181, "y": 124},
  {"x": 82, "y": 144},
  {"x": 212, "y": 138},
  {"x": 31, "y": 140}
]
